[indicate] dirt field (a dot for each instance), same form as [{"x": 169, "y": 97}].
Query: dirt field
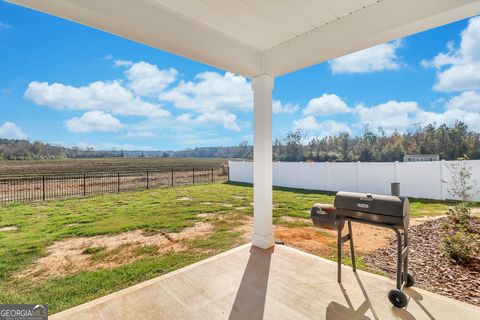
[
  {"x": 27, "y": 167},
  {"x": 62, "y": 186}
]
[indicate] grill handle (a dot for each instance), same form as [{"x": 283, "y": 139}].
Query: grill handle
[{"x": 368, "y": 197}]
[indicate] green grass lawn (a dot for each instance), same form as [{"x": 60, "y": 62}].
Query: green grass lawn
[{"x": 154, "y": 211}]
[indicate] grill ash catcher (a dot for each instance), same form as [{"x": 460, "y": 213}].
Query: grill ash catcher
[{"x": 384, "y": 211}]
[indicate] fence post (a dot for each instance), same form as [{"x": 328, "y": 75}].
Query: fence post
[
  {"x": 395, "y": 171},
  {"x": 118, "y": 182},
  {"x": 212, "y": 174},
  {"x": 442, "y": 179},
  {"x": 300, "y": 175},
  {"x": 84, "y": 185},
  {"x": 193, "y": 176},
  {"x": 43, "y": 188},
  {"x": 357, "y": 177},
  {"x": 147, "y": 179},
  {"x": 327, "y": 166},
  {"x": 172, "y": 177}
]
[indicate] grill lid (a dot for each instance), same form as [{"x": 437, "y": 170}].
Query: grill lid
[{"x": 373, "y": 203}]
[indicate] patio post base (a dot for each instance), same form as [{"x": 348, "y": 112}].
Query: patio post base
[{"x": 263, "y": 241}]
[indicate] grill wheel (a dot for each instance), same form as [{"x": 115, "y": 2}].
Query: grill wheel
[
  {"x": 398, "y": 298},
  {"x": 410, "y": 281}
]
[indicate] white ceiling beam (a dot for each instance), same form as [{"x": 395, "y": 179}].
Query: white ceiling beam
[
  {"x": 385, "y": 21},
  {"x": 153, "y": 24}
]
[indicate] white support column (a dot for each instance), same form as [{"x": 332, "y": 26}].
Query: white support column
[{"x": 262, "y": 162}]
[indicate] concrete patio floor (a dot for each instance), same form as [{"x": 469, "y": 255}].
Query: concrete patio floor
[{"x": 281, "y": 283}]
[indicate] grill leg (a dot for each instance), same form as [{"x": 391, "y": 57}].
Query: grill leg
[
  {"x": 405, "y": 262},
  {"x": 399, "y": 259},
  {"x": 352, "y": 249},
  {"x": 339, "y": 254}
]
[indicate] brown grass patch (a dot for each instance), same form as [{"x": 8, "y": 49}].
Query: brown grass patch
[
  {"x": 295, "y": 219},
  {"x": 69, "y": 256},
  {"x": 322, "y": 242},
  {"x": 205, "y": 215},
  {"x": 308, "y": 239}
]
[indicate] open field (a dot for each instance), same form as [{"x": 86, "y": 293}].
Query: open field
[
  {"x": 57, "y": 166},
  {"x": 71, "y": 251},
  {"x": 32, "y": 188}
]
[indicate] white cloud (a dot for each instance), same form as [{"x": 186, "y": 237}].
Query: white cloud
[
  {"x": 146, "y": 79},
  {"x": 468, "y": 101},
  {"x": 108, "y": 96},
  {"x": 459, "y": 68},
  {"x": 374, "y": 59},
  {"x": 122, "y": 63},
  {"x": 95, "y": 120},
  {"x": 198, "y": 138},
  {"x": 209, "y": 99},
  {"x": 325, "y": 105},
  {"x": 288, "y": 108},
  {"x": 114, "y": 146},
  {"x": 210, "y": 91},
  {"x": 399, "y": 115},
  {"x": 390, "y": 115},
  {"x": 459, "y": 77},
  {"x": 226, "y": 119},
  {"x": 472, "y": 119},
  {"x": 324, "y": 128},
  {"x": 143, "y": 134},
  {"x": 308, "y": 123},
  {"x": 4, "y": 25},
  {"x": 10, "y": 130}
]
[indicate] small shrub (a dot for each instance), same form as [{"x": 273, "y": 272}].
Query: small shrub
[
  {"x": 461, "y": 186},
  {"x": 461, "y": 245},
  {"x": 460, "y": 214}
]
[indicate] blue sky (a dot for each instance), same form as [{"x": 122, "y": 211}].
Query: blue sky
[{"x": 68, "y": 84}]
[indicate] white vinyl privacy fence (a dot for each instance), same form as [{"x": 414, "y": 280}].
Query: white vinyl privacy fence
[{"x": 427, "y": 180}]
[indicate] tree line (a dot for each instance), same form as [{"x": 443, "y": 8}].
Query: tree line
[
  {"x": 449, "y": 143},
  {"x": 12, "y": 149}
]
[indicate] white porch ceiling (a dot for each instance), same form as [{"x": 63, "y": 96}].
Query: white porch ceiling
[
  {"x": 253, "y": 37},
  {"x": 264, "y": 24}
]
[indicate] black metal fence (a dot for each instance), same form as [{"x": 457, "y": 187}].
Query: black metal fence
[{"x": 50, "y": 187}]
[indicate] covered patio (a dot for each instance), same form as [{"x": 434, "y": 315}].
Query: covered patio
[
  {"x": 278, "y": 283},
  {"x": 262, "y": 40}
]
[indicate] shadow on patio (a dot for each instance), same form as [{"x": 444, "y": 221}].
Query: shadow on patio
[{"x": 252, "y": 293}]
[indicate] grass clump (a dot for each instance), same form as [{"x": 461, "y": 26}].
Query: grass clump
[
  {"x": 146, "y": 250},
  {"x": 93, "y": 250}
]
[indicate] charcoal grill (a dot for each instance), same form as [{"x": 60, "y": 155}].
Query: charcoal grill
[{"x": 390, "y": 212}]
